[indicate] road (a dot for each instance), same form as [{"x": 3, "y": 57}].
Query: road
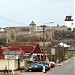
[{"x": 66, "y": 69}]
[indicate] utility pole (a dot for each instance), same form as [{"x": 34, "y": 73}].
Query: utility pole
[
  {"x": 43, "y": 26},
  {"x": 6, "y": 37},
  {"x": 63, "y": 51}
]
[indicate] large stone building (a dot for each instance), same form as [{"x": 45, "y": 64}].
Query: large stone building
[
  {"x": 10, "y": 33},
  {"x": 34, "y": 31}
]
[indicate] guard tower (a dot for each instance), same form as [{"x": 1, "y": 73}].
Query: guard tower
[
  {"x": 69, "y": 22},
  {"x": 32, "y": 27}
]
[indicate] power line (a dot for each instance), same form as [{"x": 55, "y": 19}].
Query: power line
[{"x": 10, "y": 20}]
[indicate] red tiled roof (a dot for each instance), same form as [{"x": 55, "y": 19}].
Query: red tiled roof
[
  {"x": 17, "y": 49},
  {"x": 26, "y": 49},
  {"x": 13, "y": 48},
  {"x": 37, "y": 49},
  {"x": 23, "y": 49}
]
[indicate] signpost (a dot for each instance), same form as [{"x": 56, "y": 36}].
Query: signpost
[{"x": 52, "y": 53}]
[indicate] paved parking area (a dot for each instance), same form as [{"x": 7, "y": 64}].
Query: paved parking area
[
  {"x": 33, "y": 73},
  {"x": 25, "y": 73}
]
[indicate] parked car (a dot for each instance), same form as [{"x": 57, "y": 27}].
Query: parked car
[
  {"x": 36, "y": 68},
  {"x": 52, "y": 64},
  {"x": 43, "y": 63}
]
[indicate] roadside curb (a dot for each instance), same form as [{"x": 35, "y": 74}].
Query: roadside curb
[{"x": 64, "y": 62}]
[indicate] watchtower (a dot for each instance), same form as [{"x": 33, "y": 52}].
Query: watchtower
[
  {"x": 69, "y": 22},
  {"x": 32, "y": 27}
]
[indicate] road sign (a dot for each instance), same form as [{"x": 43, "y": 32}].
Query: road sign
[
  {"x": 11, "y": 57},
  {"x": 52, "y": 51},
  {"x": 11, "y": 52}
]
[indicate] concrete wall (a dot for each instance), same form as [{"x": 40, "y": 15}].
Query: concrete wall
[{"x": 12, "y": 64}]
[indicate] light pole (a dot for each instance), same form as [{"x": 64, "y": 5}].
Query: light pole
[{"x": 43, "y": 26}]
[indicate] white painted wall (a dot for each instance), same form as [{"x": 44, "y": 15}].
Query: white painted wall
[
  {"x": 12, "y": 64},
  {"x": 69, "y": 24}
]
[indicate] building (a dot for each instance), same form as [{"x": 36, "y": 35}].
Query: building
[
  {"x": 10, "y": 59},
  {"x": 16, "y": 56},
  {"x": 32, "y": 27},
  {"x": 33, "y": 31},
  {"x": 32, "y": 51},
  {"x": 69, "y": 22}
]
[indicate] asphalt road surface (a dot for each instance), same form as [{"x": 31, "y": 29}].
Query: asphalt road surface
[{"x": 66, "y": 69}]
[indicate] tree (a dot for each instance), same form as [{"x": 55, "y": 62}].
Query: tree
[{"x": 2, "y": 42}]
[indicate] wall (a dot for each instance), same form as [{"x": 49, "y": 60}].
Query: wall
[
  {"x": 69, "y": 24},
  {"x": 12, "y": 64}
]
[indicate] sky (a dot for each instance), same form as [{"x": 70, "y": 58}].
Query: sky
[{"x": 22, "y": 12}]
